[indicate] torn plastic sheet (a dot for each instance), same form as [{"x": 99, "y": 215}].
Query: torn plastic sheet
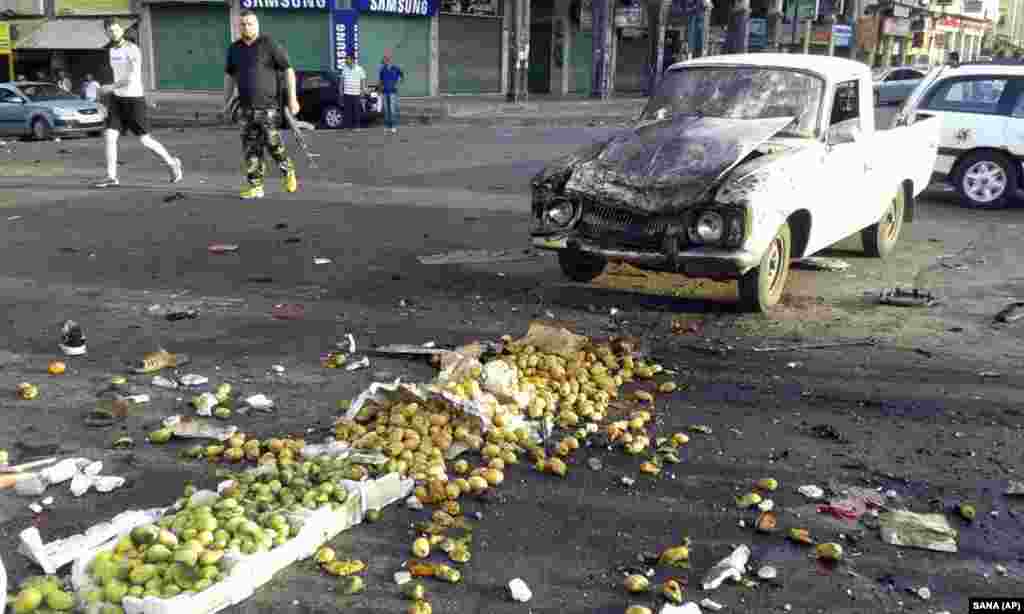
[
  {"x": 927, "y": 531},
  {"x": 35, "y": 484},
  {"x": 198, "y": 428},
  {"x": 246, "y": 573},
  {"x": 731, "y": 567}
]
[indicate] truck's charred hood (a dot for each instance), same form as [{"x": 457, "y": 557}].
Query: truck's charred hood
[{"x": 665, "y": 164}]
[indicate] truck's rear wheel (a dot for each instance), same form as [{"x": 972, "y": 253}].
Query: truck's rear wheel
[
  {"x": 761, "y": 288},
  {"x": 986, "y": 180},
  {"x": 581, "y": 267},
  {"x": 880, "y": 238}
]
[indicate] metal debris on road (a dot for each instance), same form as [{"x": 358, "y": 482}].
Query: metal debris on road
[
  {"x": 767, "y": 572},
  {"x": 191, "y": 379},
  {"x": 731, "y": 567},
  {"x": 519, "y": 591},
  {"x": 260, "y": 402},
  {"x": 362, "y": 363},
  {"x": 283, "y": 311},
  {"x": 163, "y": 382},
  {"x": 1011, "y": 313},
  {"x": 480, "y": 256},
  {"x": 811, "y": 491},
  {"x": 1014, "y": 488},
  {"x": 819, "y": 263},
  {"x": 907, "y": 298}
]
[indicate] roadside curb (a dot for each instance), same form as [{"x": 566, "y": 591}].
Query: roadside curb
[{"x": 200, "y": 120}]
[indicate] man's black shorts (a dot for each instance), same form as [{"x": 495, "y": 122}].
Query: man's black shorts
[{"x": 128, "y": 114}]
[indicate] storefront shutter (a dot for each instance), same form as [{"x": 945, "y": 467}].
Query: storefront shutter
[{"x": 470, "y": 54}]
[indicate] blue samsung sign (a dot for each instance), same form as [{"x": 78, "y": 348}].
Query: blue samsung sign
[{"x": 421, "y": 8}]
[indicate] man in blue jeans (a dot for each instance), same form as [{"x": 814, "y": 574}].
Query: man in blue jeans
[{"x": 390, "y": 76}]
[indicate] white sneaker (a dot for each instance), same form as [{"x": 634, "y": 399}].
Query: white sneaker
[{"x": 176, "y": 170}]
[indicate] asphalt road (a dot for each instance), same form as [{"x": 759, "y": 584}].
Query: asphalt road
[{"x": 913, "y": 414}]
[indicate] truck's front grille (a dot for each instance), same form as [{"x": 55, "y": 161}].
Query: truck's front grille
[{"x": 608, "y": 224}]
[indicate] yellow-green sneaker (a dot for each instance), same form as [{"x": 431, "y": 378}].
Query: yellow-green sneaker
[
  {"x": 252, "y": 191},
  {"x": 290, "y": 182}
]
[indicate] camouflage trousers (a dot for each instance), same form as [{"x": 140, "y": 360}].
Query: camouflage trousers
[{"x": 261, "y": 135}]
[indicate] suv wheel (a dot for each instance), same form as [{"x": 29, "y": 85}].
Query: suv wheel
[
  {"x": 40, "y": 129},
  {"x": 986, "y": 180},
  {"x": 332, "y": 117}
]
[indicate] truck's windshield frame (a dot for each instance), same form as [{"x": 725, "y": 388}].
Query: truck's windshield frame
[{"x": 742, "y": 92}]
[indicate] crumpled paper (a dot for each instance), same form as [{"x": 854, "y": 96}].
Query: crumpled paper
[
  {"x": 927, "y": 531},
  {"x": 83, "y": 473}
]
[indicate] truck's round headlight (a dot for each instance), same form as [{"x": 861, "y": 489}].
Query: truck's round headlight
[
  {"x": 709, "y": 227},
  {"x": 560, "y": 212}
]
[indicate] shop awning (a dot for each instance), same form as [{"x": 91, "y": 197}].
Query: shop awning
[{"x": 72, "y": 33}]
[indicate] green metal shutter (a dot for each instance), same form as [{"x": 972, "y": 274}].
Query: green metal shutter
[
  {"x": 631, "y": 64},
  {"x": 470, "y": 54},
  {"x": 190, "y": 43},
  {"x": 408, "y": 38},
  {"x": 305, "y": 34},
  {"x": 582, "y": 61}
]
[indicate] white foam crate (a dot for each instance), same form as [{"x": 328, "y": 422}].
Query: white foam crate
[{"x": 248, "y": 573}]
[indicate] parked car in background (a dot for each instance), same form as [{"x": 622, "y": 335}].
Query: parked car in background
[
  {"x": 895, "y": 84},
  {"x": 981, "y": 108},
  {"x": 42, "y": 110},
  {"x": 320, "y": 100},
  {"x": 737, "y": 164}
]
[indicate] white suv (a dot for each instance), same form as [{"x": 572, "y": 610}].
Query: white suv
[{"x": 981, "y": 146}]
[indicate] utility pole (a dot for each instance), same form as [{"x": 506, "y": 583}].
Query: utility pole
[
  {"x": 658, "y": 12},
  {"x": 705, "y": 30},
  {"x": 739, "y": 26},
  {"x": 602, "y": 43},
  {"x": 774, "y": 21}
]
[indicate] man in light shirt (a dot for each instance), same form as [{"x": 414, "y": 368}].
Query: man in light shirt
[
  {"x": 90, "y": 88},
  {"x": 126, "y": 105},
  {"x": 353, "y": 84}
]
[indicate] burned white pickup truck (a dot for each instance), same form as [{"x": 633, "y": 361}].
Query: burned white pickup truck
[{"x": 737, "y": 164}]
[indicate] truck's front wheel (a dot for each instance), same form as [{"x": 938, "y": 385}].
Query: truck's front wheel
[
  {"x": 761, "y": 287},
  {"x": 880, "y": 238},
  {"x": 581, "y": 267}
]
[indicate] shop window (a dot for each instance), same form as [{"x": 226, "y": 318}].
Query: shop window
[
  {"x": 967, "y": 96},
  {"x": 476, "y": 8}
]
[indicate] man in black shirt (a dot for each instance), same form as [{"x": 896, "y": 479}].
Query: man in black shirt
[{"x": 254, "y": 64}]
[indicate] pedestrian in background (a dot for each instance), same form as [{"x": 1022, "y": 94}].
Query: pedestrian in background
[
  {"x": 64, "y": 81},
  {"x": 126, "y": 108},
  {"x": 390, "y": 77},
  {"x": 254, "y": 63},
  {"x": 353, "y": 86},
  {"x": 90, "y": 88}
]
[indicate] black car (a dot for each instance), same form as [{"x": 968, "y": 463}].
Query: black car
[{"x": 320, "y": 100}]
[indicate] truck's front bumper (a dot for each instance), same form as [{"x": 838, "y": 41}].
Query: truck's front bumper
[{"x": 702, "y": 262}]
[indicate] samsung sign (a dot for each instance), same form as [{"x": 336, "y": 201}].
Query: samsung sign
[
  {"x": 421, "y": 8},
  {"x": 284, "y": 4}
]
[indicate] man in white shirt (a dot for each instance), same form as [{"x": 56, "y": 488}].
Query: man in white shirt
[
  {"x": 90, "y": 88},
  {"x": 64, "y": 81},
  {"x": 353, "y": 85},
  {"x": 126, "y": 105}
]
